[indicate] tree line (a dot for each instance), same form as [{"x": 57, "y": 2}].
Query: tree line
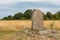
[{"x": 28, "y": 13}]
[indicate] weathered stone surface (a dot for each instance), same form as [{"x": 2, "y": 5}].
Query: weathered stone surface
[{"x": 37, "y": 20}]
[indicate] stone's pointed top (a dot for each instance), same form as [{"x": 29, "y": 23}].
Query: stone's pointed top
[{"x": 37, "y": 10}]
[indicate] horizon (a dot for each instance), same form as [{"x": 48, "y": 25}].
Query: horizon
[{"x": 11, "y": 7}]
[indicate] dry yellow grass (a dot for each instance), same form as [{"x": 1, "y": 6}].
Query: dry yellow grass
[
  {"x": 10, "y": 25},
  {"x": 56, "y": 24},
  {"x": 14, "y": 25}
]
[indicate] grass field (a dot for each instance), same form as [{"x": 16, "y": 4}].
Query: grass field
[
  {"x": 14, "y": 25},
  {"x": 10, "y": 29}
]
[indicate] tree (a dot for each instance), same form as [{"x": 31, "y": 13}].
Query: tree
[
  {"x": 28, "y": 13},
  {"x": 49, "y": 15},
  {"x": 5, "y": 18},
  {"x": 54, "y": 17},
  {"x": 44, "y": 16},
  {"x": 58, "y": 15},
  {"x": 10, "y": 17},
  {"x": 18, "y": 16}
]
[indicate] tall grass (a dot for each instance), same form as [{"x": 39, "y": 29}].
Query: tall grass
[{"x": 15, "y": 25}]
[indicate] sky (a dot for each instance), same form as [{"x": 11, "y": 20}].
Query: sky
[{"x": 11, "y": 7}]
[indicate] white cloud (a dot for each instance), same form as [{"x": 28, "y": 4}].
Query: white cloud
[
  {"x": 13, "y": 1},
  {"x": 56, "y": 2},
  {"x": 7, "y": 1}
]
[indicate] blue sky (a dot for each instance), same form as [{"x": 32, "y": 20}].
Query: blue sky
[{"x": 10, "y": 7}]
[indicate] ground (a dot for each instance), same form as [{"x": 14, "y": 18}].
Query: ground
[
  {"x": 15, "y": 29},
  {"x": 26, "y": 35}
]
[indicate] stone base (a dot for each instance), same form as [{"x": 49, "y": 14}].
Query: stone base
[{"x": 42, "y": 35}]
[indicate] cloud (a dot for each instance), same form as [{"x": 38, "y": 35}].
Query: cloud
[
  {"x": 8, "y": 1},
  {"x": 55, "y": 2},
  {"x": 12, "y": 6},
  {"x": 14, "y": 1}
]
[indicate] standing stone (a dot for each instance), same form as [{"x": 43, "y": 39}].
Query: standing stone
[{"x": 37, "y": 20}]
